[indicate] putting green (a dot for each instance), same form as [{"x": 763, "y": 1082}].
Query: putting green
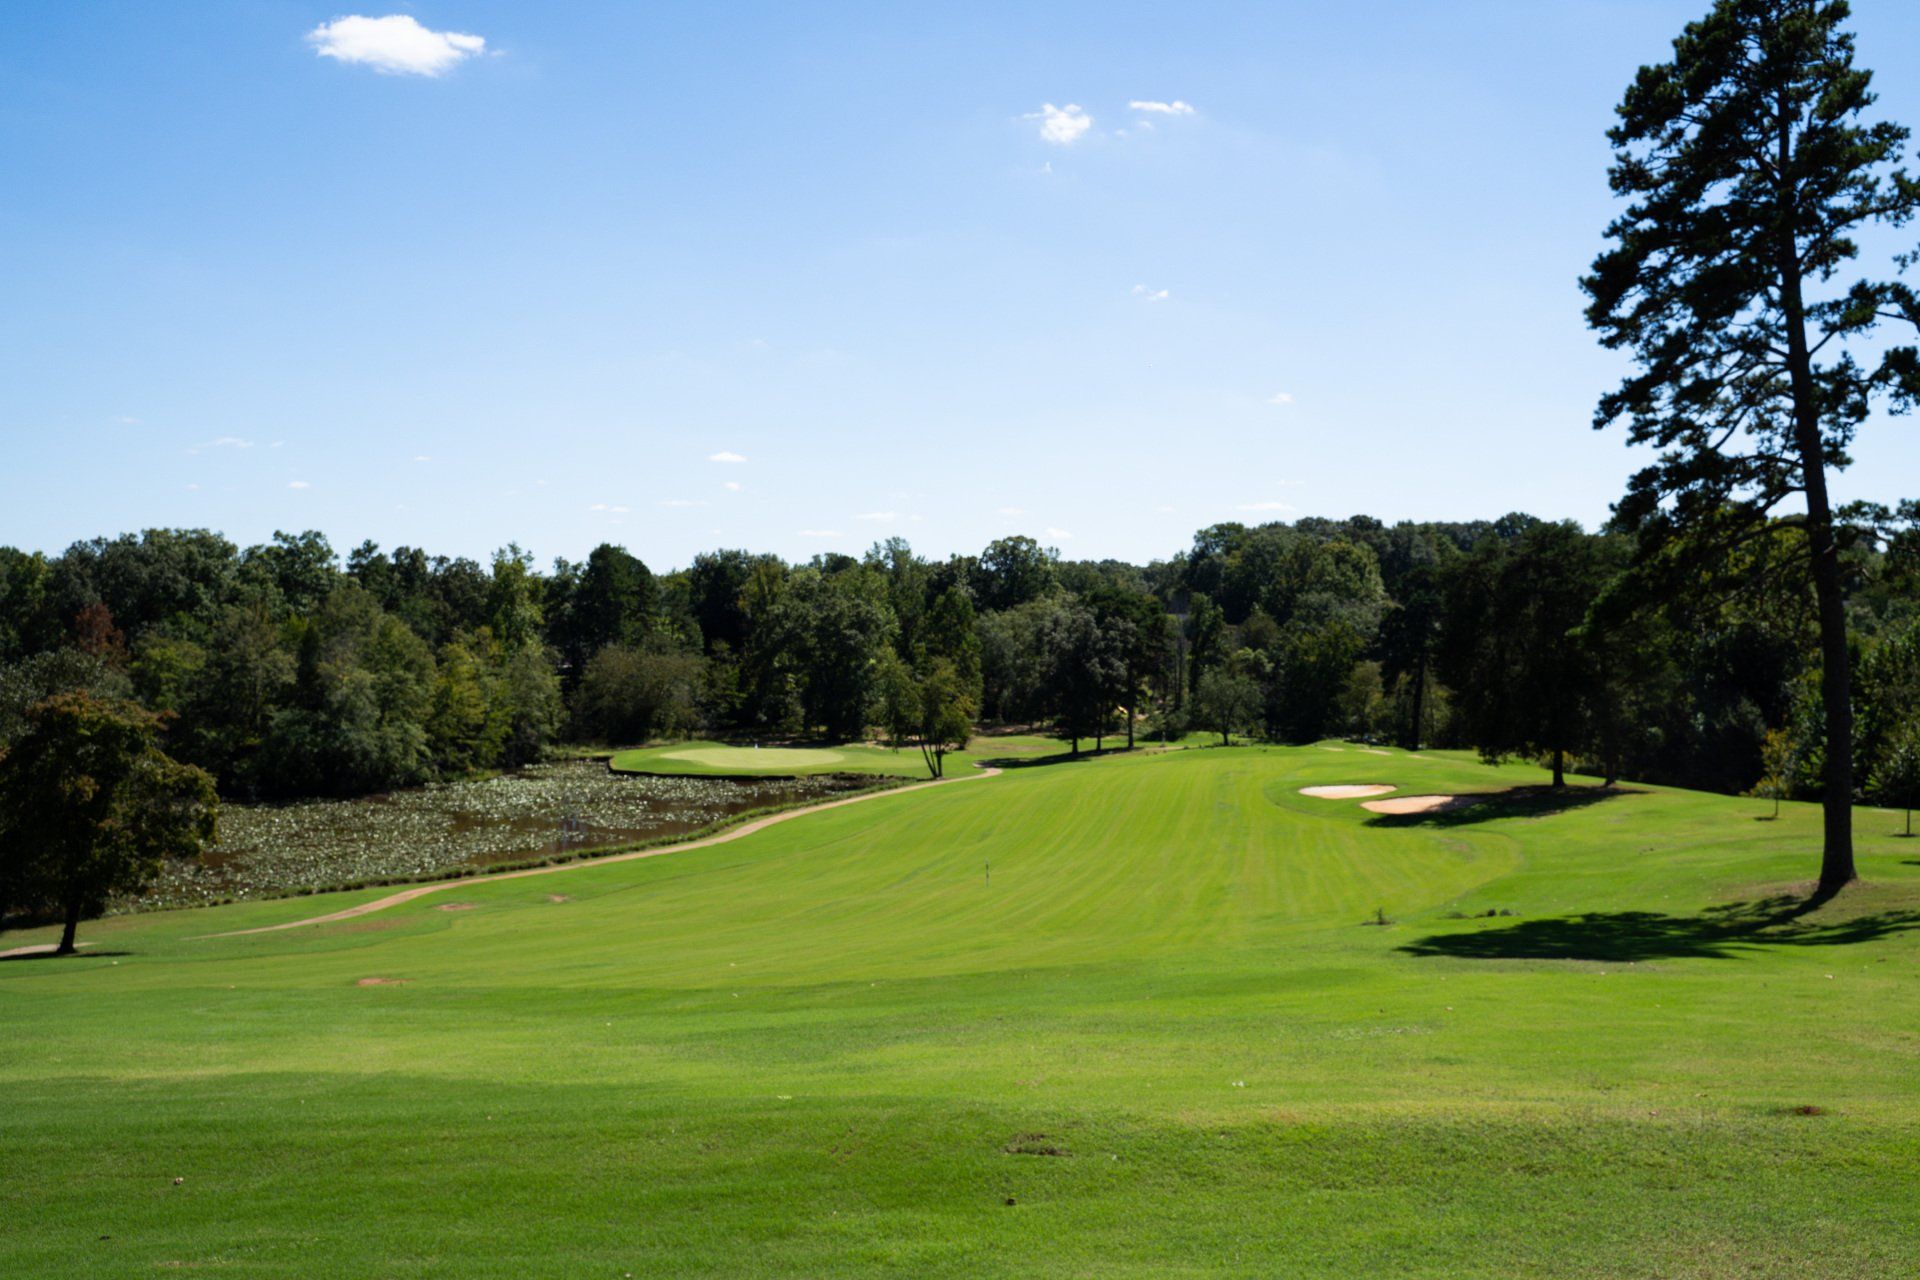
[
  {"x": 754, "y": 759},
  {"x": 853, "y": 757}
]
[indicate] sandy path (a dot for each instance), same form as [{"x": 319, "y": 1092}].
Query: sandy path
[{"x": 732, "y": 833}]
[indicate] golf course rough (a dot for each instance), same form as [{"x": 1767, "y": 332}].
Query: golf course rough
[{"x": 1133, "y": 1016}]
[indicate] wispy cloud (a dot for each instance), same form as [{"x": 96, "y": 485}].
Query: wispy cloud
[
  {"x": 125, "y": 421},
  {"x": 1150, "y": 107},
  {"x": 298, "y": 484},
  {"x": 1061, "y": 126},
  {"x": 879, "y": 515},
  {"x": 1164, "y": 510},
  {"x": 1264, "y": 506},
  {"x": 221, "y": 442},
  {"x": 609, "y": 507},
  {"x": 1056, "y": 533},
  {"x": 731, "y": 486},
  {"x": 396, "y": 45},
  {"x": 1280, "y": 397},
  {"x": 421, "y": 457},
  {"x": 821, "y": 533},
  {"x": 726, "y": 455},
  {"x": 682, "y": 502},
  {"x": 1151, "y": 295}
]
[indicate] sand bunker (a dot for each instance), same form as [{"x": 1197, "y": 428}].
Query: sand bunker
[
  {"x": 1352, "y": 791},
  {"x": 1401, "y": 805}
]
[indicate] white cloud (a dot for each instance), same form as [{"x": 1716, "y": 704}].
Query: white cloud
[
  {"x": 192, "y": 488},
  {"x": 598, "y": 506},
  {"x": 821, "y": 533},
  {"x": 1010, "y": 511},
  {"x": 126, "y": 421},
  {"x": 298, "y": 484},
  {"x": 1151, "y": 295},
  {"x": 395, "y": 45},
  {"x": 731, "y": 486},
  {"x": 221, "y": 442},
  {"x": 1061, "y": 126},
  {"x": 1174, "y": 108},
  {"x": 1280, "y": 397},
  {"x": 879, "y": 515},
  {"x": 1264, "y": 506},
  {"x": 1164, "y": 510},
  {"x": 421, "y": 457},
  {"x": 726, "y": 455},
  {"x": 1056, "y": 533},
  {"x": 676, "y": 502}
]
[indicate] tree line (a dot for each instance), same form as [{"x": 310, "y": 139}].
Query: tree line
[{"x": 283, "y": 670}]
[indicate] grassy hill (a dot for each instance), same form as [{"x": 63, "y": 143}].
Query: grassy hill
[{"x": 1121, "y": 1017}]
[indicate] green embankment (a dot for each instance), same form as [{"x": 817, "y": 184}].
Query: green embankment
[{"x": 842, "y": 1047}]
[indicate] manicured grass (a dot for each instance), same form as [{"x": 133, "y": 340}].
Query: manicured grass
[
  {"x": 840, "y": 1047},
  {"x": 705, "y": 758}
]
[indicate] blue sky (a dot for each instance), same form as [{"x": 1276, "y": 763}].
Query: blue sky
[{"x": 542, "y": 289}]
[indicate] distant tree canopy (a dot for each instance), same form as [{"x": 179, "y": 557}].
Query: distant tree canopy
[{"x": 287, "y": 673}]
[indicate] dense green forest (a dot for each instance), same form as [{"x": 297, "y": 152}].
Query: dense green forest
[{"x": 285, "y": 672}]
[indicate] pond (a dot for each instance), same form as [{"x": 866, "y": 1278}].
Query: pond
[{"x": 273, "y": 850}]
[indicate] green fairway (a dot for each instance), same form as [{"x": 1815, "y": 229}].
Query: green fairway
[
  {"x": 1118, "y": 1017},
  {"x": 717, "y": 758}
]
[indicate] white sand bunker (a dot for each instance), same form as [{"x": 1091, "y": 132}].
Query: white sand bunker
[
  {"x": 1351, "y": 791},
  {"x": 1419, "y": 804}
]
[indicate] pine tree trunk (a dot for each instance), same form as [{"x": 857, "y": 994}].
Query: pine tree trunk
[
  {"x": 66, "y": 947},
  {"x": 1133, "y": 696},
  {"x": 1419, "y": 699},
  {"x": 1836, "y": 854}
]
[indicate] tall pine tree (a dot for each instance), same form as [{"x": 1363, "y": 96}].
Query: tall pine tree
[{"x": 1750, "y": 169}]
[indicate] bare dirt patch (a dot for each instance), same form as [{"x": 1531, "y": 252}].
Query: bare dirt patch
[
  {"x": 1401, "y": 805},
  {"x": 1348, "y": 791},
  {"x": 455, "y": 906},
  {"x": 558, "y": 897},
  {"x": 1034, "y": 1144},
  {"x": 382, "y": 982}
]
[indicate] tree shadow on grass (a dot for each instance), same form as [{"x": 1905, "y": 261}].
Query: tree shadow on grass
[
  {"x": 1056, "y": 757},
  {"x": 85, "y": 953},
  {"x": 1514, "y": 802},
  {"x": 1717, "y": 933}
]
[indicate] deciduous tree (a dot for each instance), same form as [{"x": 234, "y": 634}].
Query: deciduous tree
[{"x": 90, "y": 806}]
